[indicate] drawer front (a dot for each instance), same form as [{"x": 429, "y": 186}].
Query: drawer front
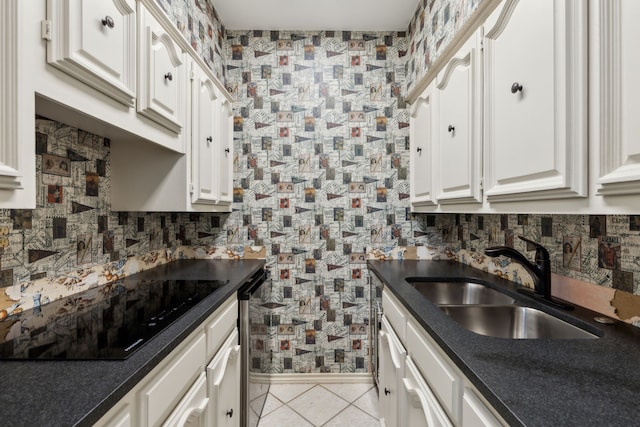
[
  {"x": 224, "y": 320},
  {"x": 475, "y": 413},
  {"x": 161, "y": 395},
  {"x": 394, "y": 312},
  {"x": 439, "y": 374}
]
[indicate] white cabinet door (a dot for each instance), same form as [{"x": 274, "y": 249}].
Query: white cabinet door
[
  {"x": 615, "y": 68},
  {"x": 223, "y": 378},
  {"x": 535, "y": 54},
  {"x": 225, "y": 152},
  {"x": 422, "y": 164},
  {"x": 192, "y": 409},
  {"x": 206, "y": 106},
  {"x": 94, "y": 41},
  {"x": 421, "y": 406},
  {"x": 392, "y": 358},
  {"x": 17, "y": 122},
  {"x": 162, "y": 74},
  {"x": 458, "y": 130}
]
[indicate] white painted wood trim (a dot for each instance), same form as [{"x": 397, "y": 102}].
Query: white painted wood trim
[
  {"x": 166, "y": 40},
  {"x": 10, "y": 174},
  {"x": 333, "y": 378},
  {"x": 615, "y": 177},
  {"x": 503, "y": 19},
  {"x": 466, "y": 31},
  {"x": 455, "y": 62}
]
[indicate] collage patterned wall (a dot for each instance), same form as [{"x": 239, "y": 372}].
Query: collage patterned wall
[
  {"x": 321, "y": 167},
  {"x": 432, "y": 27}
]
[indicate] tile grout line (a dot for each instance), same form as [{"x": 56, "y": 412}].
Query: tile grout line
[
  {"x": 262, "y": 414},
  {"x": 320, "y": 386},
  {"x": 336, "y": 415},
  {"x": 350, "y": 403}
]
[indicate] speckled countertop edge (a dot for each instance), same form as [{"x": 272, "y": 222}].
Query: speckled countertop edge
[
  {"x": 79, "y": 392},
  {"x": 531, "y": 382}
]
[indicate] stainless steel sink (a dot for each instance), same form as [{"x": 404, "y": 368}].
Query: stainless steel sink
[
  {"x": 444, "y": 293},
  {"x": 513, "y": 322}
]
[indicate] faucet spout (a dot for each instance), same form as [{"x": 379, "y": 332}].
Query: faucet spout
[{"x": 540, "y": 271}]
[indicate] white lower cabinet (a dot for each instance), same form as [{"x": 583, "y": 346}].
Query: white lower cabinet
[
  {"x": 157, "y": 399},
  {"x": 475, "y": 412},
  {"x": 186, "y": 388},
  {"x": 392, "y": 357},
  {"x": 192, "y": 410},
  {"x": 223, "y": 377},
  {"x": 421, "y": 406},
  {"x": 425, "y": 387}
]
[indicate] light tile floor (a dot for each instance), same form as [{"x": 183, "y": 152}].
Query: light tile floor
[{"x": 316, "y": 405}]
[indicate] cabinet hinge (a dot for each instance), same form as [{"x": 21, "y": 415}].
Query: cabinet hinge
[
  {"x": 481, "y": 184},
  {"x": 45, "y": 29},
  {"x": 191, "y": 188}
]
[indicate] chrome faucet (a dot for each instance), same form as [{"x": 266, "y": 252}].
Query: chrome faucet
[{"x": 540, "y": 271}]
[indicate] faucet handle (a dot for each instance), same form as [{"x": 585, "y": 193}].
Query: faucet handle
[{"x": 541, "y": 251}]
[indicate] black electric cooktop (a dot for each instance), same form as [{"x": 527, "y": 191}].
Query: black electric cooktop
[{"x": 107, "y": 322}]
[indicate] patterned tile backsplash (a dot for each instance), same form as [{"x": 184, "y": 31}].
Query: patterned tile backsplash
[{"x": 321, "y": 183}]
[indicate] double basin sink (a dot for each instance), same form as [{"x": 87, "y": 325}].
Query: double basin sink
[{"x": 486, "y": 311}]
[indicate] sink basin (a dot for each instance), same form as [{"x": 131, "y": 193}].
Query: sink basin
[
  {"x": 445, "y": 293},
  {"x": 513, "y": 322}
]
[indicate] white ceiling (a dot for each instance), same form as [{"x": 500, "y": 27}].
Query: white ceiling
[{"x": 316, "y": 15}]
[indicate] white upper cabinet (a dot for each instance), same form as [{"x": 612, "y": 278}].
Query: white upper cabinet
[
  {"x": 206, "y": 100},
  {"x": 615, "y": 69},
  {"x": 225, "y": 152},
  {"x": 422, "y": 164},
  {"x": 212, "y": 142},
  {"x": 17, "y": 136},
  {"x": 95, "y": 42},
  {"x": 535, "y": 115},
  {"x": 162, "y": 72},
  {"x": 458, "y": 129}
]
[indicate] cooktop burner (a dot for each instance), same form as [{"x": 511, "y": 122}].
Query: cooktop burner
[{"x": 107, "y": 322}]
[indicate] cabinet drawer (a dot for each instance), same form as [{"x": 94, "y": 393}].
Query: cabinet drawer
[
  {"x": 475, "y": 413},
  {"x": 172, "y": 380},
  {"x": 224, "y": 321},
  {"x": 394, "y": 312},
  {"x": 441, "y": 376}
]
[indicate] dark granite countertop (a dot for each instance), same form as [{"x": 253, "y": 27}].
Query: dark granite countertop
[
  {"x": 79, "y": 392},
  {"x": 532, "y": 382}
]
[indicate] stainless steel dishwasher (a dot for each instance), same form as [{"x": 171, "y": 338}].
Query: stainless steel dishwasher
[
  {"x": 253, "y": 393},
  {"x": 375, "y": 295}
]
